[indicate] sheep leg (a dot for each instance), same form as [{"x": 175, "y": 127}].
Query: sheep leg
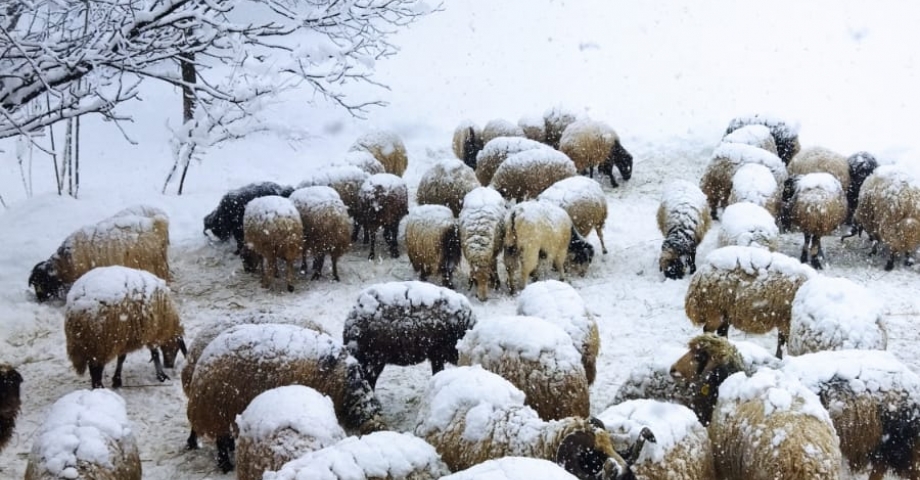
[
  {"x": 318, "y": 266},
  {"x": 303, "y": 259},
  {"x": 722, "y": 330},
  {"x": 437, "y": 364},
  {"x": 335, "y": 268},
  {"x": 889, "y": 266},
  {"x": 355, "y": 230},
  {"x": 804, "y": 257},
  {"x": 191, "y": 443},
  {"x": 116, "y": 377},
  {"x": 157, "y": 366},
  {"x": 289, "y": 274},
  {"x": 269, "y": 271},
  {"x": 559, "y": 264},
  {"x": 95, "y": 375},
  {"x": 816, "y": 252},
  {"x": 224, "y": 446},
  {"x": 908, "y": 260},
  {"x": 373, "y": 240},
  {"x": 390, "y": 233},
  {"x": 529, "y": 262},
  {"x": 691, "y": 261},
  {"x": 372, "y": 371},
  {"x": 511, "y": 260},
  {"x": 600, "y": 236},
  {"x": 780, "y": 341}
]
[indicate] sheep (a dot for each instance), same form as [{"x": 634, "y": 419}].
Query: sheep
[
  {"x": 500, "y": 128},
  {"x": 590, "y": 143},
  {"x": 387, "y": 148},
  {"x": 384, "y": 201},
  {"x": 889, "y": 210},
  {"x": 446, "y": 183},
  {"x": 537, "y": 227},
  {"x": 755, "y": 135},
  {"x": 10, "y": 380},
  {"x": 534, "y": 127},
  {"x": 683, "y": 218},
  {"x": 861, "y": 164},
  {"x": 326, "y": 226},
  {"x": 377, "y": 456},
  {"x": 363, "y": 160},
  {"x": 747, "y": 287},
  {"x": 817, "y": 207},
  {"x": 755, "y": 184},
  {"x": 227, "y": 219},
  {"x": 726, "y": 159},
  {"x": 556, "y": 119},
  {"x": 835, "y": 314},
  {"x": 282, "y": 424},
  {"x": 404, "y": 323},
  {"x": 482, "y": 231},
  {"x": 526, "y": 174},
  {"x": 111, "y": 311},
  {"x": 433, "y": 242},
  {"x": 513, "y": 468},
  {"x": 748, "y": 225},
  {"x": 560, "y": 304},
  {"x": 160, "y": 224},
  {"x": 467, "y": 142},
  {"x": 821, "y": 160},
  {"x": 584, "y": 200},
  {"x": 471, "y": 415},
  {"x": 273, "y": 231},
  {"x": 346, "y": 181},
  {"x": 86, "y": 434},
  {"x": 681, "y": 451},
  {"x": 785, "y": 134},
  {"x": 494, "y": 153},
  {"x": 246, "y": 360},
  {"x": 128, "y": 240},
  {"x": 536, "y": 356}
]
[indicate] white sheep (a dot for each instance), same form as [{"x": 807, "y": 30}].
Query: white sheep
[
  {"x": 560, "y": 303},
  {"x": 326, "y": 226},
  {"x": 536, "y": 356},
  {"x": 446, "y": 183},
  {"x": 748, "y": 225},
  {"x": 387, "y": 148},
  {"x": 500, "y": 128},
  {"x": 513, "y": 468},
  {"x": 683, "y": 218},
  {"x": 534, "y": 127},
  {"x": 86, "y": 434},
  {"x": 405, "y": 323},
  {"x": 112, "y": 311},
  {"x": 746, "y": 287},
  {"x": 482, "y": 231},
  {"x": 283, "y": 424},
  {"x": 590, "y": 144},
  {"x": 681, "y": 451},
  {"x": 755, "y": 135},
  {"x": 785, "y": 133},
  {"x": 494, "y": 153},
  {"x": 755, "y": 184},
  {"x": 433, "y": 242},
  {"x": 384, "y": 201},
  {"x": 467, "y": 142},
  {"x": 817, "y": 207},
  {"x": 526, "y": 174},
  {"x": 377, "y": 456},
  {"x": 471, "y": 415},
  {"x": 835, "y": 314},
  {"x": 273, "y": 232},
  {"x": 584, "y": 200},
  {"x": 889, "y": 210},
  {"x": 726, "y": 159},
  {"x": 556, "y": 119}
]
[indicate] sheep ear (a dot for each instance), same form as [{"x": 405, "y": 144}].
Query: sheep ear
[{"x": 577, "y": 455}]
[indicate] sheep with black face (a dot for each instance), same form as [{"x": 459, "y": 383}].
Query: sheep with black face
[
  {"x": 227, "y": 219},
  {"x": 683, "y": 218}
]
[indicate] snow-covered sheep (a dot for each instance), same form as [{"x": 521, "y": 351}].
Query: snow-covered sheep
[
  {"x": 377, "y": 456},
  {"x": 559, "y": 303},
  {"x": 537, "y": 357},
  {"x": 446, "y": 183},
  {"x": 590, "y": 144},
  {"x": 471, "y": 415},
  {"x": 537, "y": 227},
  {"x": 749, "y": 225},
  {"x": 160, "y": 224},
  {"x": 874, "y": 402},
  {"x": 384, "y": 201},
  {"x": 283, "y": 424},
  {"x": 681, "y": 451},
  {"x": 821, "y": 160},
  {"x": 433, "y": 242},
  {"x": 500, "y": 128},
  {"x": 817, "y": 207},
  {"x": 683, "y": 218},
  {"x": 246, "y": 360},
  {"x": 555, "y": 120},
  {"x": 525, "y": 175},
  {"x": 347, "y": 181},
  {"x": 785, "y": 134},
  {"x": 362, "y": 159},
  {"x": 513, "y": 468},
  {"x": 10, "y": 402},
  {"x": 494, "y": 153},
  {"x": 889, "y": 210},
  {"x": 755, "y": 184},
  {"x": 136, "y": 241},
  {"x": 755, "y": 135},
  {"x": 326, "y": 226},
  {"x": 273, "y": 232},
  {"x": 534, "y": 127},
  {"x": 835, "y": 314},
  {"x": 862, "y": 164},
  {"x": 467, "y": 142},
  {"x": 746, "y": 287},
  {"x": 726, "y": 160},
  {"x": 404, "y": 323},
  {"x": 112, "y": 311},
  {"x": 387, "y": 148},
  {"x": 584, "y": 200},
  {"x": 227, "y": 219},
  {"x": 482, "y": 231},
  {"x": 86, "y": 434}
]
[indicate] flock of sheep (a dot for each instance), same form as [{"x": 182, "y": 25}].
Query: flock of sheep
[{"x": 274, "y": 393}]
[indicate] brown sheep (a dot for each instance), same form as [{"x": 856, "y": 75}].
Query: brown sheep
[
  {"x": 387, "y": 148},
  {"x": 556, "y": 119},
  {"x": 467, "y": 142},
  {"x": 482, "y": 231},
  {"x": 817, "y": 207},
  {"x": 526, "y": 174},
  {"x": 755, "y": 135},
  {"x": 785, "y": 134},
  {"x": 433, "y": 242},
  {"x": 10, "y": 402},
  {"x": 446, "y": 183},
  {"x": 584, "y": 200},
  {"x": 533, "y": 228},
  {"x": 821, "y": 160},
  {"x": 384, "y": 201},
  {"x": 346, "y": 181},
  {"x": 500, "y": 128},
  {"x": 590, "y": 144},
  {"x": 889, "y": 211},
  {"x": 273, "y": 231},
  {"x": 326, "y": 227},
  {"x": 494, "y": 153},
  {"x": 534, "y": 127},
  {"x": 726, "y": 159}
]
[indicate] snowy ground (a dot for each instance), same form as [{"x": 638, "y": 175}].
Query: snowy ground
[{"x": 668, "y": 77}]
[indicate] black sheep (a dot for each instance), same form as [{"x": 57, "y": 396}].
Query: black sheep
[
  {"x": 227, "y": 219},
  {"x": 9, "y": 402}
]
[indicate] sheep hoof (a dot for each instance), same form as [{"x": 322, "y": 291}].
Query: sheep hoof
[
  {"x": 192, "y": 442},
  {"x": 162, "y": 377},
  {"x": 116, "y": 382},
  {"x": 290, "y": 288},
  {"x": 315, "y": 276}
]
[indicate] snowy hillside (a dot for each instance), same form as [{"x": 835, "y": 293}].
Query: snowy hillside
[{"x": 668, "y": 76}]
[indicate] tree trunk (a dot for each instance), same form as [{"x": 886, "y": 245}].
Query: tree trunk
[{"x": 189, "y": 76}]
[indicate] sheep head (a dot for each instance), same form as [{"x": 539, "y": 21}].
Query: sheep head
[
  {"x": 472, "y": 144},
  {"x": 170, "y": 350},
  {"x": 620, "y": 158},
  {"x": 676, "y": 251},
  {"x": 44, "y": 279},
  {"x": 709, "y": 362},
  {"x": 10, "y": 380},
  {"x": 588, "y": 453},
  {"x": 216, "y": 225},
  {"x": 580, "y": 251}
]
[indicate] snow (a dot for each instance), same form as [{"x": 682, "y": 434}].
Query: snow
[
  {"x": 770, "y": 119},
  {"x": 494, "y": 338},
  {"x": 779, "y": 391},
  {"x": 430, "y": 216},
  {"x": 385, "y": 140},
  {"x": 513, "y": 468},
  {"x": 269, "y": 343},
  {"x": 756, "y": 261},
  {"x": 106, "y": 286},
  {"x": 269, "y": 209},
  {"x": 412, "y": 298},
  {"x": 873, "y": 372},
  {"x": 753, "y": 183},
  {"x": 502, "y": 128},
  {"x": 317, "y": 197},
  {"x": 363, "y": 160},
  {"x": 670, "y": 423},
  {"x": 79, "y": 427},
  {"x": 748, "y": 225},
  {"x": 683, "y": 200},
  {"x": 586, "y": 127},
  {"x": 572, "y": 191},
  {"x": 294, "y": 408},
  {"x": 331, "y": 175},
  {"x": 507, "y": 146},
  {"x": 482, "y": 197},
  {"x": 819, "y": 181},
  {"x": 754, "y": 135},
  {"x": 834, "y": 314},
  {"x": 535, "y": 159},
  {"x": 741, "y": 154},
  {"x": 387, "y": 181},
  {"x": 532, "y": 121},
  {"x": 560, "y": 304}
]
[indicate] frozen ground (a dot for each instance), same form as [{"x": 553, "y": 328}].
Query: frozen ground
[{"x": 667, "y": 76}]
